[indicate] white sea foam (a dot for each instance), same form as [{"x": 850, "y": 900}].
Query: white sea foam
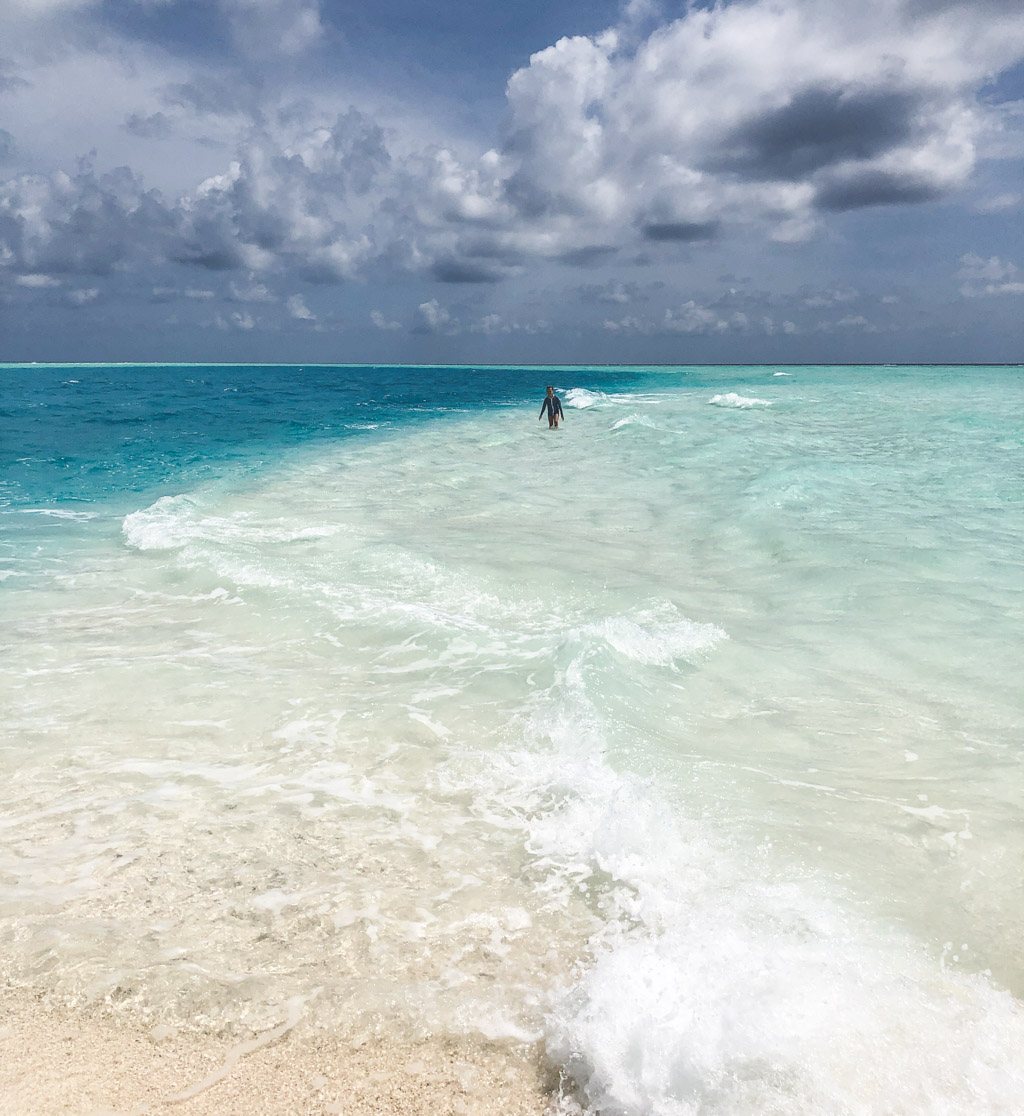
[
  {"x": 657, "y": 636},
  {"x": 731, "y": 399},
  {"x": 759, "y": 1001},
  {"x": 718, "y": 986},
  {"x": 173, "y": 522},
  {"x": 582, "y": 398},
  {"x": 635, "y": 419},
  {"x": 60, "y": 513},
  {"x": 165, "y": 525}
]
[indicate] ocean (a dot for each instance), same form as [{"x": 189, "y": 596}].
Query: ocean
[{"x": 680, "y": 747}]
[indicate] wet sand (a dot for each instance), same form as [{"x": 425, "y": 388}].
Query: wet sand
[{"x": 58, "y": 1060}]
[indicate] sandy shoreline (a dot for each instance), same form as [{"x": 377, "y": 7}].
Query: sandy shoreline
[{"x": 56, "y": 1060}]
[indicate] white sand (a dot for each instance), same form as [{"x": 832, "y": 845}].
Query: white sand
[{"x": 62, "y": 1061}]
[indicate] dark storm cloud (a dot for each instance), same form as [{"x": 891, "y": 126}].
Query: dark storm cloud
[
  {"x": 464, "y": 271},
  {"x": 590, "y": 254},
  {"x": 680, "y": 231},
  {"x": 9, "y": 80},
  {"x": 7, "y": 146},
  {"x": 83, "y": 224},
  {"x": 155, "y": 126},
  {"x": 212, "y": 96},
  {"x": 819, "y": 127},
  {"x": 223, "y": 256},
  {"x": 874, "y": 187}
]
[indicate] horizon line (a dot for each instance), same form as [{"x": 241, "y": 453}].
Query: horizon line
[{"x": 492, "y": 367}]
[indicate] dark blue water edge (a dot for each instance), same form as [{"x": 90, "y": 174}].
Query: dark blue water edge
[{"x": 81, "y": 433}]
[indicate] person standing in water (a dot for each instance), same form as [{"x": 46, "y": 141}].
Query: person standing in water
[{"x": 553, "y": 405}]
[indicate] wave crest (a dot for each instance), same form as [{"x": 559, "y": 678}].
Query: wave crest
[{"x": 731, "y": 399}]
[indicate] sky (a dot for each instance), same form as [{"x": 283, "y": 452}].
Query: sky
[{"x": 575, "y": 181}]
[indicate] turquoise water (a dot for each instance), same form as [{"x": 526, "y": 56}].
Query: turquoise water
[{"x": 682, "y": 745}]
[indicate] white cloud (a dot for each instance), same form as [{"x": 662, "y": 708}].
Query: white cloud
[
  {"x": 37, "y": 281},
  {"x": 494, "y": 324},
  {"x": 770, "y": 111},
  {"x": 760, "y": 117},
  {"x": 435, "y": 318},
  {"x": 298, "y": 309},
  {"x": 380, "y": 321},
  {"x": 252, "y": 292},
  {"x": 83, "y": 295},
  {"x": 238, "y": 320},
  {"x": 629, "y": 324},
  {"x": 696, "y": 318},
  {"x": 692, "y": 318},
  {"x": 264, "y": 28},
  {"x": 830, "y": 298},
  {"x": 989, "y": 277},
  {"x": 1000, "y": 203}
]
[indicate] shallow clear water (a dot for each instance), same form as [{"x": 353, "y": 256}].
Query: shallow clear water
[{"x": 685, "y": 741}]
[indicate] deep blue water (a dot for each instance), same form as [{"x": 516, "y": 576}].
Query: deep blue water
[{"x": 72, "y": 433}]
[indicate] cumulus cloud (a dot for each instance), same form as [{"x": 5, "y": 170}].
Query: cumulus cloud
[
  {"x": 240, "y": 319},
  {"x": 432, "y": 317},
  {"x": 252, "y": 291},
  {"x": 493, "y": 324},
  {"x": 382, "y": 322},
  {"x": 752, "y": 111},
  {"x": 628, "y": 324},
  {"x": 303, "y": 205},
  {"x": 989, "y": 277},
  {"x": 658, "y": 137},
  {"x": 833, "y": 297},
  {"x": 693, "y": 317},
  {"x": 298, "y": 309},
  {"x": 80, "y": 223}
]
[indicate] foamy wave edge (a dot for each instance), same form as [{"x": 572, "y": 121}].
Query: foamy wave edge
[
  {"x": 743, "y": 402},
  {"x": 714, "y": 986},
  {"x": 175, "y": 522}
]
